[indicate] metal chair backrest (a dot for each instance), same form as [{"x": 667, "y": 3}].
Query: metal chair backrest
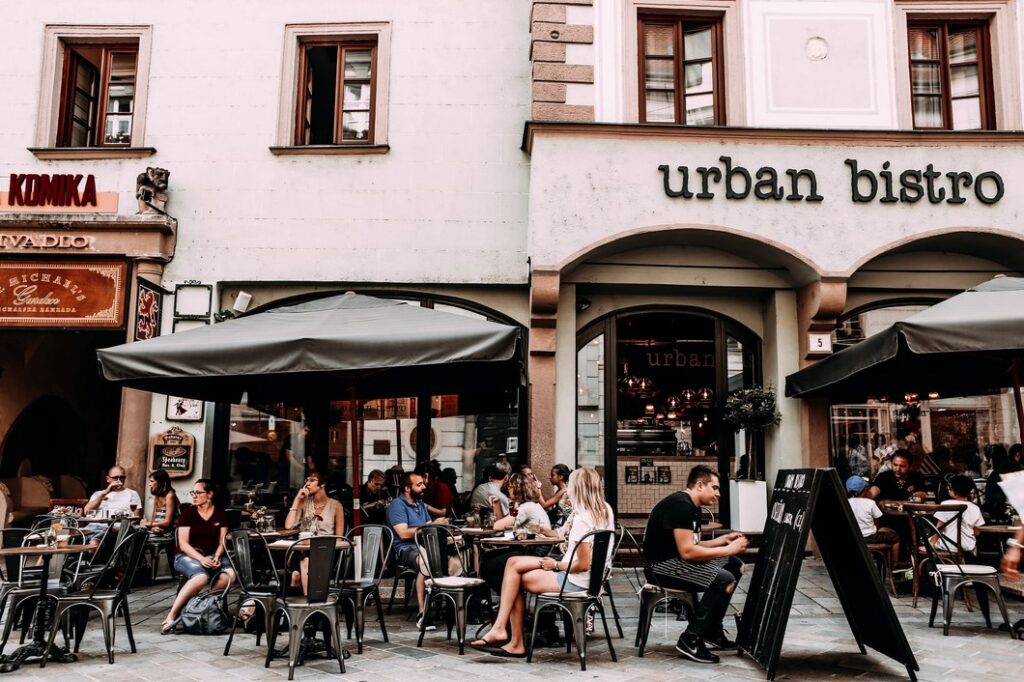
[
  {"x": 602, "y": 541},
  {"x": 119, "y": 569},
  {"x": 375, "y": 548},
  {"x": 638, "y": 553},
  {"x": 927, "y": 532},
  {"x": 12, "y": 537},
  {"x": 250, "y": 557},
  {"x": 325, "y": 560},
  {"x": 112, "y": 536},
  {"x": 433, "y": 541}
]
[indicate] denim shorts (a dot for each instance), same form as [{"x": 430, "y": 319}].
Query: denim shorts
[
  {"x": 190, "y": 568},
  {"x": 562, "y": 578}
]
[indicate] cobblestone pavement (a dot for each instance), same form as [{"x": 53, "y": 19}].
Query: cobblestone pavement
[{"x": 818, "y": 645}]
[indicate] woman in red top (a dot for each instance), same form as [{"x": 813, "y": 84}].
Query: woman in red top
[{"x": 201, "y": 531}]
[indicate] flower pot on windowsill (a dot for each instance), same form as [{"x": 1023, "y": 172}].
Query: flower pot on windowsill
[{"x": 748, "y": 505}]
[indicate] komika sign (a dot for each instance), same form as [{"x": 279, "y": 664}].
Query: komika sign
[
  {"x": 886, "y": 185},
  {"x": 35, "y": 189}
]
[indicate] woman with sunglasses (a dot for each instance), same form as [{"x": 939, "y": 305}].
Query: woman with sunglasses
[{"x": 201, "y": 531}]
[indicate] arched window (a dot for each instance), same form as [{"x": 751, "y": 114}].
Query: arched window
[{"x": 651, "y": 383}]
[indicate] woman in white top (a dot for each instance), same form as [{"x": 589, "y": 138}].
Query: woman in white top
[{"x": 537, "y": 575}]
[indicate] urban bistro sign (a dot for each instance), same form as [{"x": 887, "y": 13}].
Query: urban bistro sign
[
  {"x": 62, "y": 294},
  {"x": 57, "y": 193},
  {"x": 886, "y": 185}
]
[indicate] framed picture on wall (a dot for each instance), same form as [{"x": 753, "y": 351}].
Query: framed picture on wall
[
  {"x": 184, "y": 409},
  {"x": 664, "y": 475},
  {"x": 632, "y": 475}
]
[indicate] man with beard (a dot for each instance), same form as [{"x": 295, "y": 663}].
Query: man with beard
[{"x": 406, "y": 513}]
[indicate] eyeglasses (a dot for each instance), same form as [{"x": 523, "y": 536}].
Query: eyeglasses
[
  {"x": 117, "y": 478},
  {"x": 196, "y": 493}
]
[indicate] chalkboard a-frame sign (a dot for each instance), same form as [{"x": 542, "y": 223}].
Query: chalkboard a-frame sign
[{"x": 806, "y": 500}]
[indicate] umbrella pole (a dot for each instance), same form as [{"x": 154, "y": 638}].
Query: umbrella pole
[
  {"x": 1015, "y": 367},
  {"x": 357, "y": 474}
]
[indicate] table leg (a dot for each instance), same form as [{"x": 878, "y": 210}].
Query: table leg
[{"x": 38, "y": 645}]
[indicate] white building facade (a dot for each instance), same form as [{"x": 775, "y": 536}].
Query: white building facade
[{"x": 689, "y": 192}]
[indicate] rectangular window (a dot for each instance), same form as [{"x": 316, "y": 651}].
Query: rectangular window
[
  {"x": 681, "y": 71},
  {"x": 336, "y": 93},
  {"x": 97, "y": 101},
  {"x": 950, "y": 76}
]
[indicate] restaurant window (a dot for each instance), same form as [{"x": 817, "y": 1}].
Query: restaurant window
[
  {"x": 335, "y": 92},
  {"x": 944, "y": 434},
  {"x": 98, "y": 94},
  {"x": 681, "y": 70},
  {"x": 650, "y": 390},
  {"x": 950, "y": 76}
]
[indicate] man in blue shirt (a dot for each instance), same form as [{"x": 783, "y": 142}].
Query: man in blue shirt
[{"x": 406, "y": 513}]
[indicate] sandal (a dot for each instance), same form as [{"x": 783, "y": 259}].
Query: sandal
[
  {"x": 168, "y": 626},
  {"x": 485, "y": 646}
]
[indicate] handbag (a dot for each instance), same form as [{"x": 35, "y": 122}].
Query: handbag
[{"x": 205, "y": 614}]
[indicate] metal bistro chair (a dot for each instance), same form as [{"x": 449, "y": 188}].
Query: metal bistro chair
[
  {"x": 23, "y": 595},
  {"x": 950, "y": 576},
  {"x": 918, "y": 554},
  {"x": 323, "y": 568},
  {"x": 433, "y": 542},
  {"x": 607, "y": 587},
  {"x": 375, "y": 548},
  {"x": 93, "y": 565},
  {"x": 257, "y": 578},
  {"x": 11, "y": 575},
  {"x": 406, "y": 575},
  {"x": 119, "y": 570},
  {"x": 651, "y": 593},
  {"x": 576, "y": 604}
]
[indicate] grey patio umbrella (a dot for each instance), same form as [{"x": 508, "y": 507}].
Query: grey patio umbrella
[
  {"x": 337, "y": 347},
  {"x": 970, "y": 343},
  {"x": 322, "y": 348}
]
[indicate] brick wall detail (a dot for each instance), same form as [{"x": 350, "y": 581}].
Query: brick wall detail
[{"x": 551, "y": 74}]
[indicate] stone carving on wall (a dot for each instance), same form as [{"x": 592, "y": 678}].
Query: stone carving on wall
[{"x": 151, "y": 190}]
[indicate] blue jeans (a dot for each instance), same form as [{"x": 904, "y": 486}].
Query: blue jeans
[
  {"x": 190, "y": 568},
  {"x": 562, "y": 578}
]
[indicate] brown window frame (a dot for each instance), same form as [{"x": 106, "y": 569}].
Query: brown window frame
[
  {"x": 339, "y": 89},
  {"x": 65, "y": 122},
  {"x": 681, "y": 23},
  {"x": 985, "y": 79}
]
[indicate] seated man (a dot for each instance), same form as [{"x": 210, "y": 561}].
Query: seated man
[
  {"x": 494, "y": 480},
  {"x": 867, "y": 513},
  {"x": 406, "y": 513},
  {"x": 899, "y": 482},
  {"x": 374, "y": 498},
  {"x": 676, "y": 558},
  {"x": 960, "y": 490},
  {"x": 114, "y": 499}
]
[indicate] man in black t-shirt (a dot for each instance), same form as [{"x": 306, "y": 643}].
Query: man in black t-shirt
[
  {"x": 900, "y": 482},
  {"x": 676, "y": 558}
]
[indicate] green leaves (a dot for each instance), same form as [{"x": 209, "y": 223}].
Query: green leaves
[{"x": 752, "y": 409}]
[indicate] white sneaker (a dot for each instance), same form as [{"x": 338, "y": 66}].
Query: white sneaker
[{"x": 420, "y": 626}]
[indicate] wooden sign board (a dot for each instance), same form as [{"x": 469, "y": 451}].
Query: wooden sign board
[
  {"x": 173, "y": 451},
  {"x": 807, "y": 500},
  {"x": 69, "y": 294}
]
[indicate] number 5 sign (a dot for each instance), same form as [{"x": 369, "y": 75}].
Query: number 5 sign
[{"x": 818, "y": 344}]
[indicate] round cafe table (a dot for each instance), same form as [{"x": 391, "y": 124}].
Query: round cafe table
[{"x": 35, "y": 648}]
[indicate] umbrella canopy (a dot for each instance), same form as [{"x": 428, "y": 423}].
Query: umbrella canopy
[
  {"x": 330, "y": 347},
  {"x": 964, "y": 345}
]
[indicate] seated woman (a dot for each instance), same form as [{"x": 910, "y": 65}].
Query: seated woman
[
  {"x": 165, "y": 504},
  {"x": 537, "y": 575},
  {"x": 523, "y": 493},
  {"x": 315, "y": 513},
  {"x": 557, "y": 505},
  {"x": 201, "y": 531}
]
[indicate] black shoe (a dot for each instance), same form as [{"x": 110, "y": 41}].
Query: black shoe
[
  {"x": 719, "y": 640},
  {"x": 693, "y": 648}
]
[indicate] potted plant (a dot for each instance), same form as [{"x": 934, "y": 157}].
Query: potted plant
[{"x": 751, "y": 410}]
